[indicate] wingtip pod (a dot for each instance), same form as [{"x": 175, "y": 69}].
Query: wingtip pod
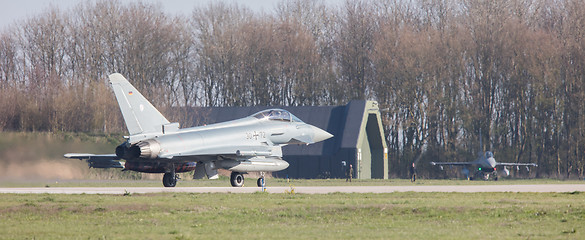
[{"x": 78, "y": 155}]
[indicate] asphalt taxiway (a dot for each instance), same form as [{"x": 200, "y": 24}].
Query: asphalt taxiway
[{"x": 305, "y": 189}]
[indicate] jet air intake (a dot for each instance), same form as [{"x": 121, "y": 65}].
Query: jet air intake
[{"x": 146, "y": 149}]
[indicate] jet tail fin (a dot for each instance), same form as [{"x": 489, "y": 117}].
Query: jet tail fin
[
  {"x": 139, "y": 114},
  {"x": 480, "y": 153}
]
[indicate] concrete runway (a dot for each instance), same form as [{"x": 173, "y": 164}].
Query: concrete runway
[{"x": 307, "y": 190}]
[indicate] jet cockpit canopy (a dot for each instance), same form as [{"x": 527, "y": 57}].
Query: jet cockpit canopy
[
  {"x": 489, "y": 154},
  {"x": 277, "y": 115}
]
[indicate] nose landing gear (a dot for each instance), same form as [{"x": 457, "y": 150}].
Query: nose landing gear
[{"x": 261, "y": 181}]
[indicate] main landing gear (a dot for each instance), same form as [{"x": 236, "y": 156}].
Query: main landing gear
[
  {"x": 483, "y": 175},
  {"x": 170, "y": 178}
]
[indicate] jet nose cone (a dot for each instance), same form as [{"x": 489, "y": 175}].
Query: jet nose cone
[
  {"x": 320, "y": 134},
  {"x": 492, "y": 162}
]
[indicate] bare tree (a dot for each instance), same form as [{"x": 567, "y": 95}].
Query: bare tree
[{"x": 354, "y": 44}]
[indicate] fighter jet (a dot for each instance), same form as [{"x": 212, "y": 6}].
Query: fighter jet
[
  {"x": 155, "y": 145},
  {"x": 484, "y": 166}
]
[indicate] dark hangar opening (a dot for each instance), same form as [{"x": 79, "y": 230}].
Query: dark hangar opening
[{"x": 375, "y": 146}]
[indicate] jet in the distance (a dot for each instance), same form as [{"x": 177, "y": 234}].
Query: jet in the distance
[
  {"x": 484, "y": 166},
  {"x": 155, "y": 145}
]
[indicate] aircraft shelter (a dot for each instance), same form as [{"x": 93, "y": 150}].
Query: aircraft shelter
[{"x": 358, "y": 139}]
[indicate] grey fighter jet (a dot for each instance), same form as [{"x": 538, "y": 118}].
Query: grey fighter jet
[
  {"x": 155, "y": 145},
  {"x": 484, "y": 166}
]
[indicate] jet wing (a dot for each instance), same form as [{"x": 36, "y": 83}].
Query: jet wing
[
  {"x": 452, "y": 163},
  {"x": 98, "y": 160},
  {"x": 517, "y": 164}
]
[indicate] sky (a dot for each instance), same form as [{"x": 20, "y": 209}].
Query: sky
[{"x": 13, "y": 11}]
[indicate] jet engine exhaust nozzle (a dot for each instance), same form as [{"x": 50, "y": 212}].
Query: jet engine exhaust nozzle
[
  {"x": 149, "y": 149},
  {"x": 146, "y": 149}
]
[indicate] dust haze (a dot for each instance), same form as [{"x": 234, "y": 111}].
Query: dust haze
[
  {"x": 39, "y": 156},
  {"x": 42, "y": 169}
]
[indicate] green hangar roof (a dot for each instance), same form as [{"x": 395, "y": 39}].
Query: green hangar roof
[{"x": 358, "y": 139}]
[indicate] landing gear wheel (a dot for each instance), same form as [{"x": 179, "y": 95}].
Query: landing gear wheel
[
  {"x": 237, "y": 179},
  {"x": 169, "y": 180},
  {"x": 261, "y": 181}
]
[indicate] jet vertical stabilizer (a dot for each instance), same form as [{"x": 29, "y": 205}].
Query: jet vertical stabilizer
[{"x": 139, "y": 114}]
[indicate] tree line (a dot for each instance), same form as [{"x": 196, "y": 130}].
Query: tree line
[{"x": 443, "y": 71}]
